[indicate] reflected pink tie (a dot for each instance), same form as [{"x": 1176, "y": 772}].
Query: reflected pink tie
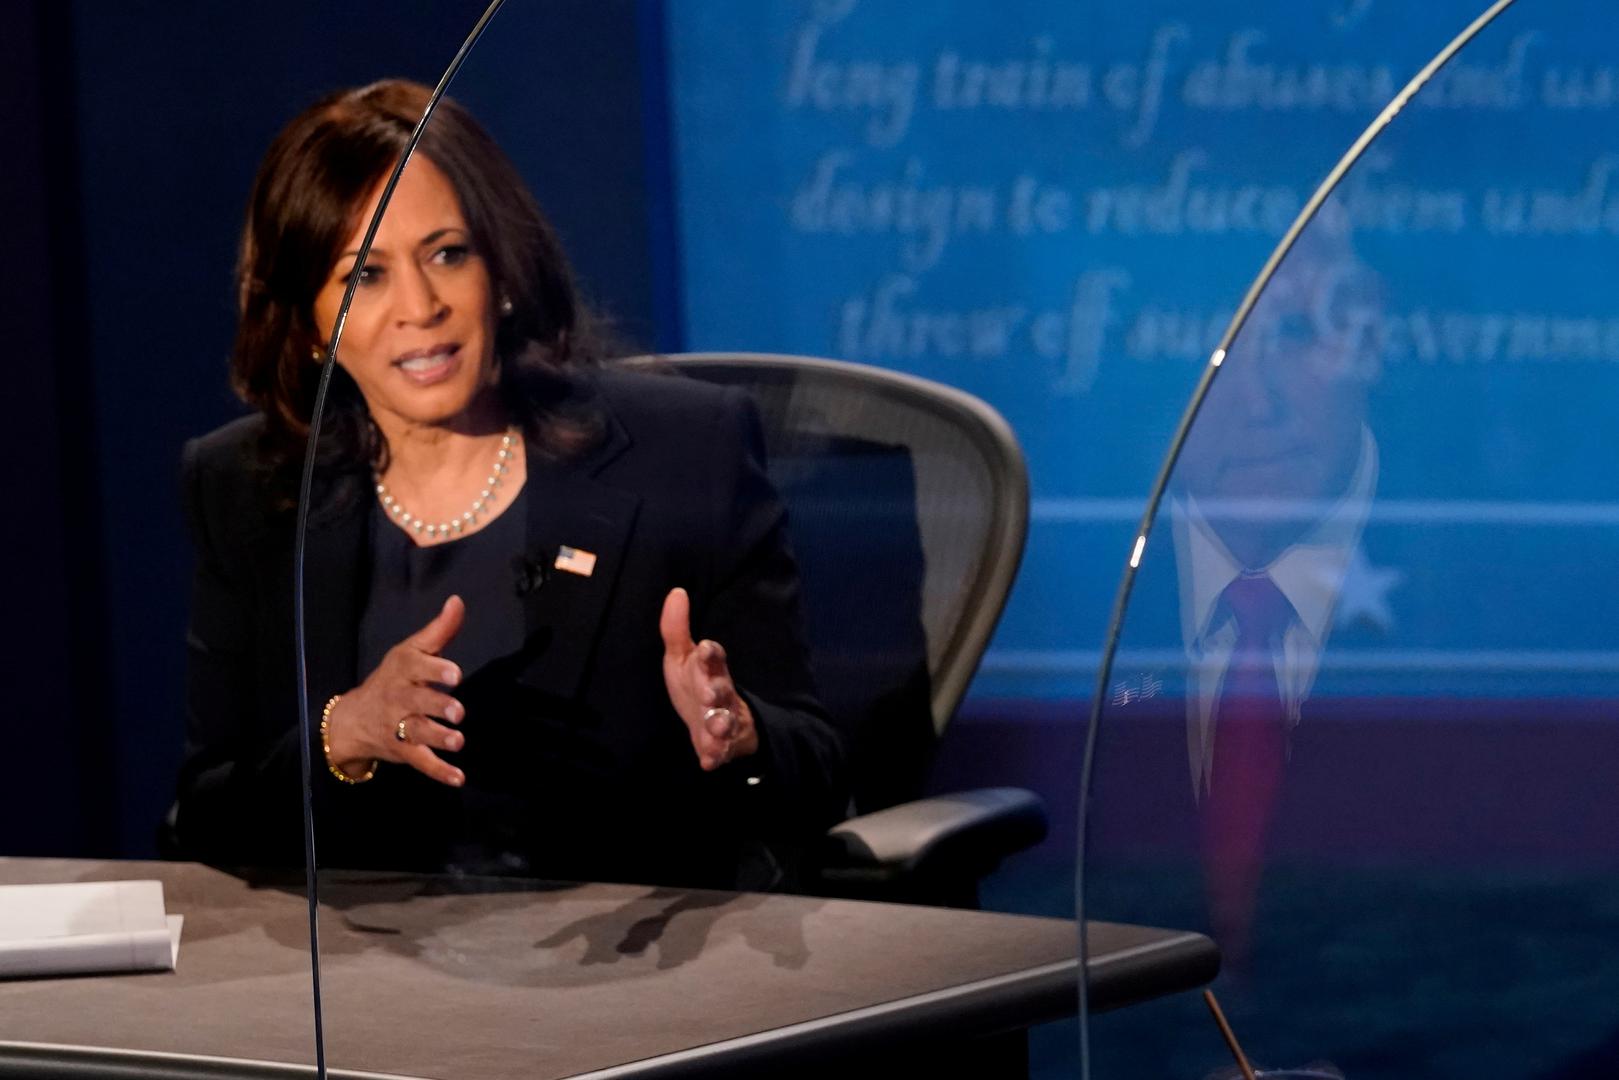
[{"x": 1250, "y": 751}]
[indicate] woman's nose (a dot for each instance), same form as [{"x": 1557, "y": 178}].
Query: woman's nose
[{"x": 418, "y": 302}]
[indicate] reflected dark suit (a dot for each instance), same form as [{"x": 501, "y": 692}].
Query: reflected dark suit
[{"x": 572, "y": 738}]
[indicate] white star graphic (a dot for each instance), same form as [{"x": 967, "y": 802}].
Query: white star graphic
[{"x": 1364, "y": 598}]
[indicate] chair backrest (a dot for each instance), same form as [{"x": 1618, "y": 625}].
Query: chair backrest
[{"x": 908, "y": 506}]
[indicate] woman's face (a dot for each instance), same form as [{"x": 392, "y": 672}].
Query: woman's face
[{"x": 420, "y": 335}]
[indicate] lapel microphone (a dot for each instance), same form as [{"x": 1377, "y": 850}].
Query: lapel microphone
[{"x": 528, "y": 575}]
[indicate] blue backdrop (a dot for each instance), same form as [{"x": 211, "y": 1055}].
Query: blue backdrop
[{"x": 1057, "y": 207}]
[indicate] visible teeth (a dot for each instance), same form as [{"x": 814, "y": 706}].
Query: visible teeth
[{"x": 424, "y": 363}]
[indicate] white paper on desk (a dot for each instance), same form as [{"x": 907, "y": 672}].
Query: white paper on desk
[{"x": 86, "y": 926}]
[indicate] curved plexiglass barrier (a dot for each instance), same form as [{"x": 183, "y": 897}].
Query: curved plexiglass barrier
[
  {"x": 173, "y": 731},
  {"x": 1382, "y": 795},
  {"x": 1359, "y": 713},
  {"x": 608, "y": 647},
  {"x": 119, "y": 948}
]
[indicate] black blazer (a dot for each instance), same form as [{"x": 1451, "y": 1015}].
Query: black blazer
[{"x": 575, "y": 759}]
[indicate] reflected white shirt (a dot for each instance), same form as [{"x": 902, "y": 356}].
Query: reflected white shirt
[{"x": 1309, "y": 573}]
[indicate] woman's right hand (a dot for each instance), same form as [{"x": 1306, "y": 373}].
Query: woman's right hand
[{"x": 364, "y": 725}]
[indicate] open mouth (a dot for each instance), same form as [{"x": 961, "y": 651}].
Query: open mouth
[{"x": 429, "y": 365}]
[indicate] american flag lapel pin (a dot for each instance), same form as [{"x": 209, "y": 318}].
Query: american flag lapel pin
[{"x": 576, "y": 560}]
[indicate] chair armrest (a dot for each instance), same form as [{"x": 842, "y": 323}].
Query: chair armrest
[{"x": 964, "y": 835}]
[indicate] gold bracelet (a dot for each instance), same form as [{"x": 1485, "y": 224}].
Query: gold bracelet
[{"x": 326, "y": 747}]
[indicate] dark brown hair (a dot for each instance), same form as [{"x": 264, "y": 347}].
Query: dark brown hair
[{"x": 306, "y": 202}]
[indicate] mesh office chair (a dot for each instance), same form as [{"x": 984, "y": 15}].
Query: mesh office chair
[{"x": 908, "y": 507}]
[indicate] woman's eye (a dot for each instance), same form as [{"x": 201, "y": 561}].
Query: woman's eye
[
  {"x": 370, "y": 274},
  {"x": 452, "y": 254}
]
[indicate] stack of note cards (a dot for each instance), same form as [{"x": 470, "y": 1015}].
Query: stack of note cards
[{"x": 86, "y": 926}]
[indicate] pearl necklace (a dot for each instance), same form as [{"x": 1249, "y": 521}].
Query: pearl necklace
[{"x": 453, "y": 527}]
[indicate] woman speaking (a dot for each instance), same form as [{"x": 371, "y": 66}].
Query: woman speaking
[{"x": 552, "y": 615}]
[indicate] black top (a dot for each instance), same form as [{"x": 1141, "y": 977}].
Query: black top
[
  {"x": 598, "y": 767},
  {"x": 409, "y": 584},
  {"x": 408, "y": 587}
]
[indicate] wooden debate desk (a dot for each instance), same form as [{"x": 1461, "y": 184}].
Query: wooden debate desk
[{"x": 428, "y": 978}]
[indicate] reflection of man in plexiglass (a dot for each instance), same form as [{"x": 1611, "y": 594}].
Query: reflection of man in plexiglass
[{"x": 1274, "y": 487}]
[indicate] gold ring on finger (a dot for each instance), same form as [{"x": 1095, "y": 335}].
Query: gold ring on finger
[{"x": 401, "y": 733}]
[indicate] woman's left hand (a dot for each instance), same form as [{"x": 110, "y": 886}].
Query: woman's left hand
[{"x": 701, "y": 690}]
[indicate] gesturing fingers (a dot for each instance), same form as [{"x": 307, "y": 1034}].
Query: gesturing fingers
[
  {"x": 420, "y": 757},
  {"x": 429, "y": 702},
  {"x": 719, "y": 722},
  {"x": 424, "y": 731},
  {"x": 725, "y": 728},
  {"x": 441, "y": 629},
  {"x": 698, "y": 678},
  {"x": 395, "y": 714},
  {"x": 421, "y": 667},
  {"x": 674, "y": 624},
  {"x": 711, "y": 657}
]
